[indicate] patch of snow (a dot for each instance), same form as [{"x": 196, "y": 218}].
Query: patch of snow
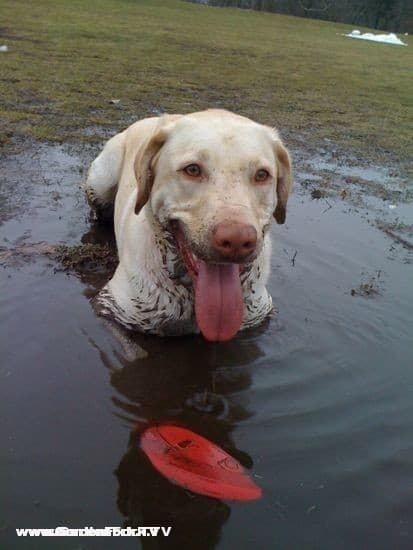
[
  {"x": 4, "y": 48},
  {"x": 390, "y": 38}
]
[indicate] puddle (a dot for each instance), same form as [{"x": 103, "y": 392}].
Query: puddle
[
  {"x": 381, "y": 195},
  {"x": 317, "y": 402},
  {"x": 40, "y": 195}
]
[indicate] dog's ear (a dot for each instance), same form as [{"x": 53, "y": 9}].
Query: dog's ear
[
  {"x": 145, "y": 160},
  {"x": 284, "y": 181}
]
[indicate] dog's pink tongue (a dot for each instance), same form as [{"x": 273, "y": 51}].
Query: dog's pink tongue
[{"x": 219, "y": 304}]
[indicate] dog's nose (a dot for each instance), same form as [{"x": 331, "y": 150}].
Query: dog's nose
[{"x": 234, "y": 241}]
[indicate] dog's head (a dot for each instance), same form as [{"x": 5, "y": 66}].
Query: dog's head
[{"x": 215, "y": 180}]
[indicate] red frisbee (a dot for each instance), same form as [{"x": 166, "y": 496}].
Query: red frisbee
[{"x": 195, "y": 463}]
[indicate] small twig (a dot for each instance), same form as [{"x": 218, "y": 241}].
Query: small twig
[
  {"x": 328, "y": 207},
  {"x": 397, "y": 238},
  {"x": 293, "y": 258}
]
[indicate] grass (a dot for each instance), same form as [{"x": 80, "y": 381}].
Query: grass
[{"x": 66, "y": 60}]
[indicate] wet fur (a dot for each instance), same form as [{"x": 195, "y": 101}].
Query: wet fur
[{"x": 150, "y": 290}]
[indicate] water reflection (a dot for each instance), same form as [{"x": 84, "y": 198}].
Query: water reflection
[
  {"x": 187, "y": 382},
  {"x": 146, "y": 498}
]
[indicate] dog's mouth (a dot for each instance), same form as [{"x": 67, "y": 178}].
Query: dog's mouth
[{"x": 219, "y": 306}]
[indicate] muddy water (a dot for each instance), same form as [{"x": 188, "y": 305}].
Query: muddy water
[{"x": 317, "y": 404}]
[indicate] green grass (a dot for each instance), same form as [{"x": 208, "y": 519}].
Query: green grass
[{"x": 67, "y": 59}]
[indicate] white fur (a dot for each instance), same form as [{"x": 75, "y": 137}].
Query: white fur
[{"x": 150, "y": 291}]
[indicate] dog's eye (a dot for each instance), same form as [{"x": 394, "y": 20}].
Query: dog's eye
[
  {"x": 193, "y": 170},
  {"x": 262, "y": 175}
]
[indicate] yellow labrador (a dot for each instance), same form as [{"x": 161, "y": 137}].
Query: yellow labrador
[{"x": 194, "y": 196}]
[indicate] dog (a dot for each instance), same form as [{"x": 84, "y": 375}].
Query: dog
[{"x": 194, "y": 197}]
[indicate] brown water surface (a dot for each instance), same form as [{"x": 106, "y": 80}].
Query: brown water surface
[{"x": 317, "y": 403}]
